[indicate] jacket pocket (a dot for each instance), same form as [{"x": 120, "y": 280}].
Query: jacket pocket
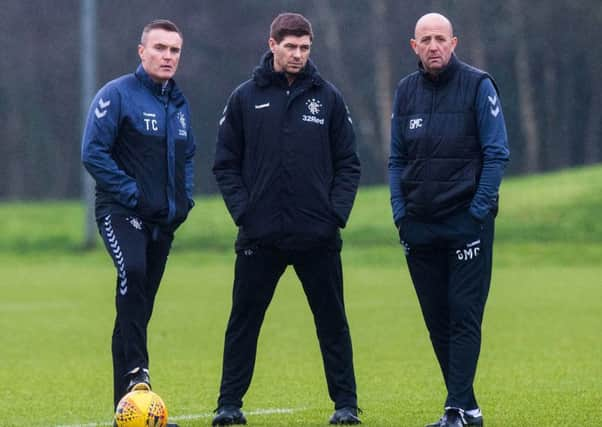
[
  {"x": 151, "y": 203},
  {"x": 465, "y": 227}
]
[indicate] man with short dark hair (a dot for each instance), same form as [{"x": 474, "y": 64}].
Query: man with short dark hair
[
  {"x": 139, "y": 148},
  {"x": 287, "y": 167},
  {"x": 448, "y": 152}
]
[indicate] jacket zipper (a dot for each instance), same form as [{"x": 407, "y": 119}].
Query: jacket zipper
[
  {"x": 171, "y": 208},
  {"x": 430, "y": 148}
]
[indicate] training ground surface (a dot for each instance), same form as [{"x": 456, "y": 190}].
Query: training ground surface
[{"x": 541, "y": 361}]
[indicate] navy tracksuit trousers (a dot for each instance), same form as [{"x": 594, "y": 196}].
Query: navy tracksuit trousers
[
  {"x": 256, "y": 275},
  {"x": 139, "y": 252},
  {"x": 450, "y": 266}
]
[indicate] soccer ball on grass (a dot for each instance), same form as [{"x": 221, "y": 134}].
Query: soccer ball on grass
[{"x": 141, "y": 408}]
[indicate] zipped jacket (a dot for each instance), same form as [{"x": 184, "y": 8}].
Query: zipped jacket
[
  {"x": 139, "y": 148},
  {"x": 286, "y": 160},
  {"x": 448, "y": 144}
]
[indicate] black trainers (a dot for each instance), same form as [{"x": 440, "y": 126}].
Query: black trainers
[
  {"x": 228, "y": 415},
  {"x": 466, "y": 419},
  {"x": 139, "y": 380},
  {"x": 453, "y": 417},
  {"x": 346, "y": 415},
  {"x": 474, "y": 421}
]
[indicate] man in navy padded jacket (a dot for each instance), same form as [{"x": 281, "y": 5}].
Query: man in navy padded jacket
[
  {"x": 138, "y": 147},
  {"x": 448, "y": 152},
  {"x": 287, "y": 167}
]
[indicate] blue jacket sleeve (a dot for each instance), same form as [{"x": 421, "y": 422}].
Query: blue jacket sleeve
[
  {"x": 100, "y": 133},
  {"x": 346, "y": 163},
  {"x": 396, "y": 164},
  {"x": 227, "y": 166},
  {"x": 494, "y": 147}
]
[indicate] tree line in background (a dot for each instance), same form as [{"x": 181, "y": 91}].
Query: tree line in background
[{"x": 542, "y": 55}]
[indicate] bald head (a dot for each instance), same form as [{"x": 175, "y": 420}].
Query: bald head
[
  {"x": 434, "y": 20},
  {"x": 434, "y": 42}
]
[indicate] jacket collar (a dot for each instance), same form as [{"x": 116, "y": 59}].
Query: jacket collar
[
  {"x": 170, "y": 90},
  {"x": 445, "y": 75},
  {"x": 264, "y": 73}
]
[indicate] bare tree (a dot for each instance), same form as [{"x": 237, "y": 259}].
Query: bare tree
[
  {"x": 330, "y": 22},
  {"x": 593, "y": 124},
  {"x": 472, "y": 24},
  {"x": 592, "y": 149},
  {"x": 382, "y": 76},
  {"x": 528, "y": 118}
]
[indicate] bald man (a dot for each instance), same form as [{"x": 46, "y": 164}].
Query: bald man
[{"x": 448, "y": 152}]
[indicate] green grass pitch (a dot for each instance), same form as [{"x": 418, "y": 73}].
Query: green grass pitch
[{"x": 541, "y": 360}]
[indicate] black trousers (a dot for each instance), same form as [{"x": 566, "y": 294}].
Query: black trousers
[
  {"x": 257, "y": 272},
  {"x": 139, "y": 252},
  {"x": 450, "y": 265}
]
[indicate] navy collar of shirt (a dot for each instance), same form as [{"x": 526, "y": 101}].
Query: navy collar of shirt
[
  {"x": 264, "y": 73},
  {"x": 445, "y": 75},
  {"x": 156, "y": 88}
]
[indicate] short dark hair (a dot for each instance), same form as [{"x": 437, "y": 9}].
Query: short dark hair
[
  {"x": 163, "y": 24},
  {"x": 290, "y": 24}
]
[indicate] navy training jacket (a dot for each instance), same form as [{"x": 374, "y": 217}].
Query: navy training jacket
[
  {"x": 139, "y": 148},
  {"x": 286, "y": 160}
]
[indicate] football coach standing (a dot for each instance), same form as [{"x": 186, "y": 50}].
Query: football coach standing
[
  {"x": 138, "y": 147},
  {"x": 287, "y": 167},
  {"x": 448, "y": 152}
]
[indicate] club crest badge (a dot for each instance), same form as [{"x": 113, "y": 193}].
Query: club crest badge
[
  {"x": 135, "y": 222},
  {"x": 313, "y": 105},
  {"x": 182, "y": 120}
]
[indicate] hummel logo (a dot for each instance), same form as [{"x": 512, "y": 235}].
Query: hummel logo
[
  {"x": 223, "y": 119},
  {"x": 348, "y": 115},
  {"x": 123, "y": 289},
  {"x": 493, "y": 101},
  {"x": 260, "y": 106},
  {"x": 103, "y": 108}
]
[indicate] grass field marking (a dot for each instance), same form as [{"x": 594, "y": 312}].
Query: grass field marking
[
  {"x": 85, "y": 425},
  {"x": 268, "y": 411},
  {"x": 271, "y": 411}
]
